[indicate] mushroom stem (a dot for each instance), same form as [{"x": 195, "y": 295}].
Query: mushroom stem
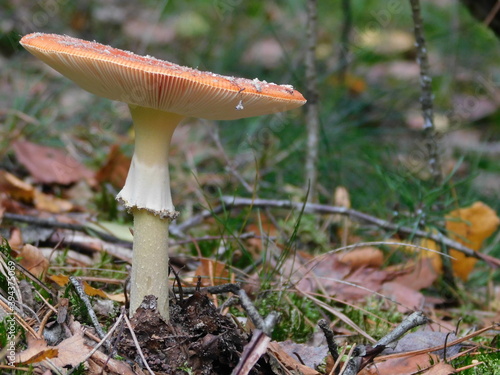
[
  {"x": 149, "y": 261},
  {"x": 147, "y": 194}
]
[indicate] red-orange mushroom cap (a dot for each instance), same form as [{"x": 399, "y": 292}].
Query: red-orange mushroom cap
[{"x": 148, "y": 82}]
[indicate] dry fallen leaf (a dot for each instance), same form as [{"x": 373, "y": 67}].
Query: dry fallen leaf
[
  {"x": 15, "y": 187},
  {"x": 91, "y": 291},
  {"x": 37, "y": 351},
  {"x": 22, "y": 191},
  {"x": 115, "y": 170},
  {"x": 400, "y": 366},
  {"x": 407, "y": 298},
  {"x": 418, "y": 274},
  {"x": 33, "y": 260},
  {"x": 311, "y": 356},
  {"x": 287, "y": 361},
  {"x": 470, "y": 226},
  {"x": 212, "y": 272},
  {"x": 363, "y": 256},
  {"x": 49, "y": 203},
  {"x": 440, "y": 368},
  {"x": 50, "y": 165},
  {"x": 70, "y": 351},
  {"x": 62, "y": 280}
]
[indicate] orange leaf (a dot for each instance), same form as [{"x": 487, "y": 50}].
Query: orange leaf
[
  {"x": 15, "y": 187},
  {"x": 40, "y": 356},
  {"x": 91, "y": 291},
  {"x": 470, "y": 226},
  {"x": 60, "y": 280}
]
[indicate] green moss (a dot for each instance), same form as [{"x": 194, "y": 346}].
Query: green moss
[{"x": 298, "y": 316}]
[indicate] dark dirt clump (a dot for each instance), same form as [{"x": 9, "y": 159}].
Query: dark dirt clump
[{"x": 197, "y": 338}]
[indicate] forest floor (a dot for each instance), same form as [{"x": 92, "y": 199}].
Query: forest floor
[{"x": 373, "y": 276}]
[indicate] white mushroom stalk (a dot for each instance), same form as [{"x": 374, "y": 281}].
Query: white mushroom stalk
[
  {"x": 160, "y": 94},
  {"x": 147, "y": 195}
]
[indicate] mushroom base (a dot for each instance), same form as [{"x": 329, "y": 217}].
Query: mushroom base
[{"x": 149, "y": 261}]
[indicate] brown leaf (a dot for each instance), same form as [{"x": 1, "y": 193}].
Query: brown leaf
[
  {"x": 287, "y": 361},
  {"x": 311, "y": 356},
  {"x": 440, "y": 369},
  {"x": 364, "y": 256},
  {"x": 421, "y": 275},
  {"x": 50, "y": 165},
  {"x": 114, "y": 366},
  {"x": 216, "y": 271},
  {"x": 401, "y": 366},
  {"x": 72, "y": 351},
  {"x": 37, "y": 351},
  {"x": 256, "y": 245},
  {"x": 115, "y": 170},
  {"x": 33, "y": 260},
  {"x": 16, "y": 240},
  {"x": 408, "y": 299}
]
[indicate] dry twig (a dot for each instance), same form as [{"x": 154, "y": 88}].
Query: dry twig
[{"x": 312, "y": 115}]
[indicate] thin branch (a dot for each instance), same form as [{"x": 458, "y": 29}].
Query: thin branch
[
  {"x": 52, "y": 223},
  {"x": 136, "y": 343},
  {"x": 414, "y": 320},
  {"x": 85, "y": 299},
  {"x": 330, "y": 340},
  {"x": 231, "y": 202},
  {"x": 492, "y": 14},
  {"x": 426, "y": 99},
  {"x": 312, "y": 116},
  {"x": 214, "y": 289}
]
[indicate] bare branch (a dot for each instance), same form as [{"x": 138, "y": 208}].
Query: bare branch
[
  {"x": 426, "y": 100},
  {"x": 312, "y": 116}
]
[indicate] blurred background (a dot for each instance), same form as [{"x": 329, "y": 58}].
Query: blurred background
[{"x": 367, "y": 86}]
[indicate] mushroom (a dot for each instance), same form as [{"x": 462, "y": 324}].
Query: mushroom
[{"x": 160, "y": 95}]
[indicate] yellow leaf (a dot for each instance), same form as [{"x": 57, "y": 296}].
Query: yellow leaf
[
  {"x": 91, "y": 291},
  {"x": 43, "y": 355},
  {"x": 15, "y": 187},
  {"x": 470, "y": 226},
  {"x": 60, "y": 280},
  {"x": 436, "y": 261},
  {"x": 49, "y": 203}
]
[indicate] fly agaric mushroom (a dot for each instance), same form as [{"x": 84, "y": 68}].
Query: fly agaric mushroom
[{"x": 160, "y": 94}]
